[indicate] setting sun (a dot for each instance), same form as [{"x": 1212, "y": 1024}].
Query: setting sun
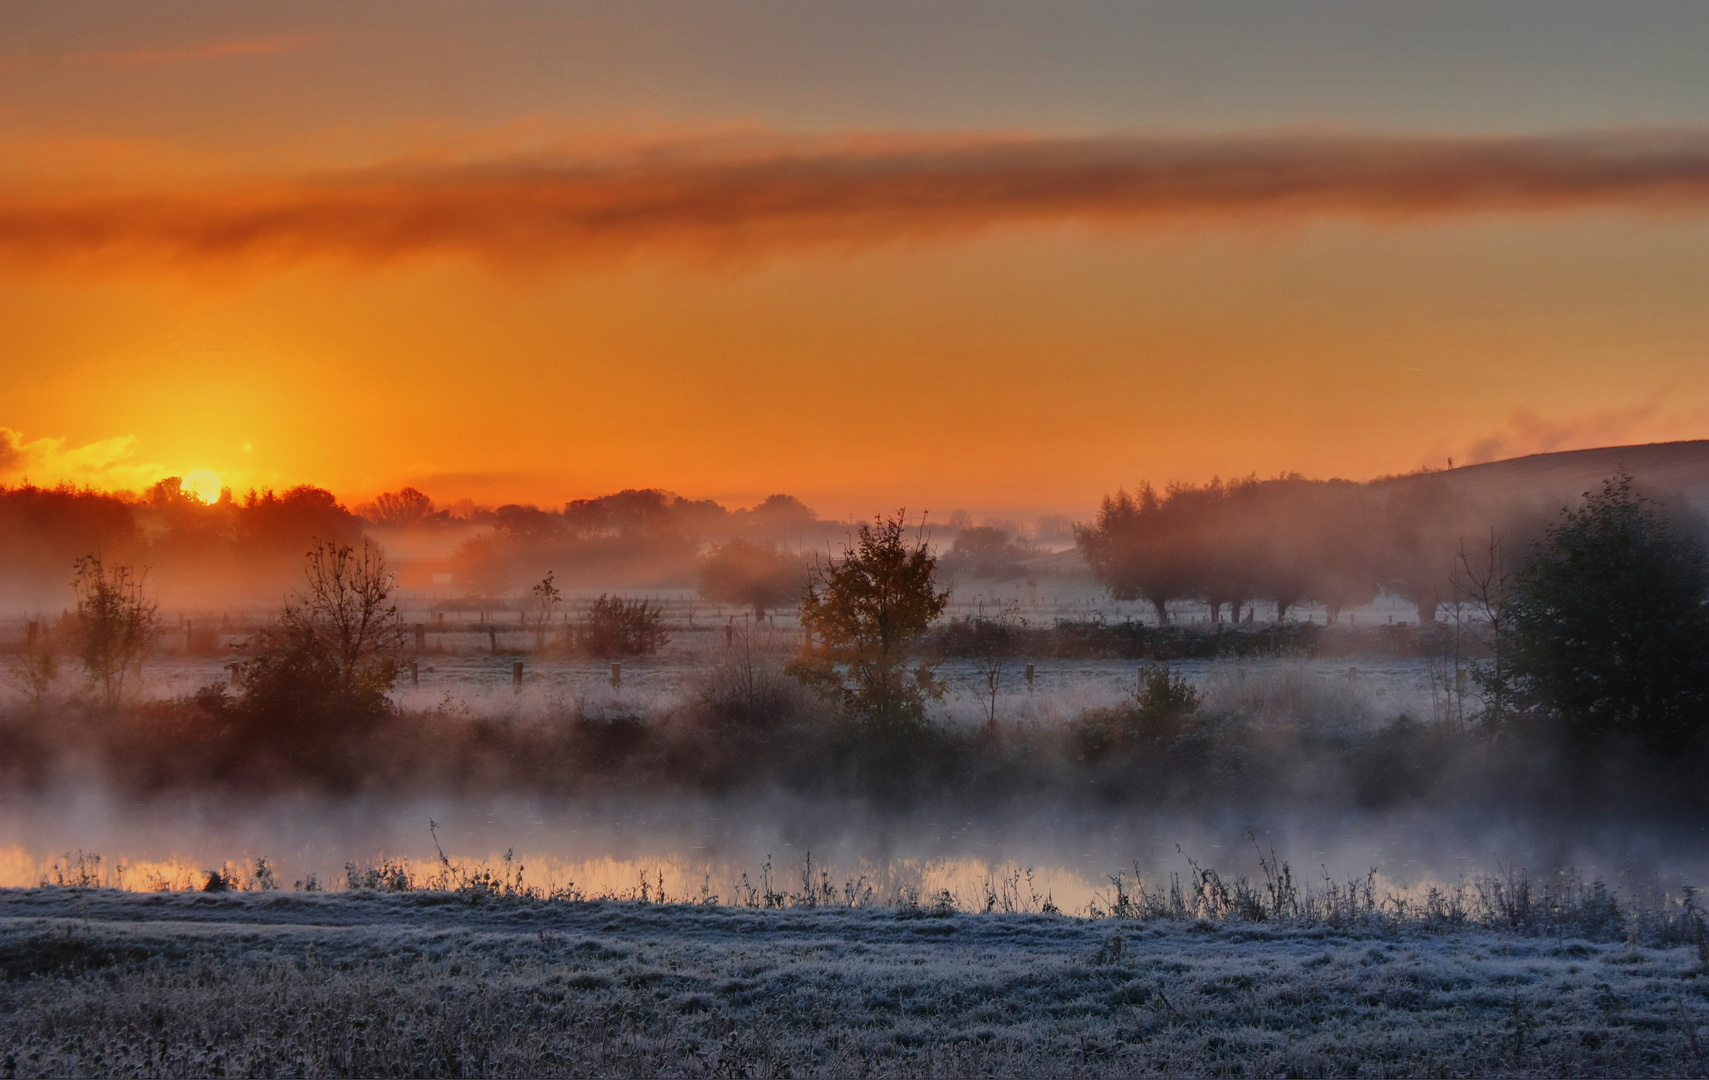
[{"x": 204, "y": 485}]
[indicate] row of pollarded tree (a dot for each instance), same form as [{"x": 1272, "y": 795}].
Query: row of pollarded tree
[{"x": 1288, "y": 541}]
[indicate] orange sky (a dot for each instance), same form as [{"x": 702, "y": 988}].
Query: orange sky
[{"x": 288, "y": 250}]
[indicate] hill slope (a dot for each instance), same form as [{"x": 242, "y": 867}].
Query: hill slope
[{"x": 1664, "y": 470}]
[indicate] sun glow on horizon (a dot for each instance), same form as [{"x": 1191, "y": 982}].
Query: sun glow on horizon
[{"x": 203, "y": 484}]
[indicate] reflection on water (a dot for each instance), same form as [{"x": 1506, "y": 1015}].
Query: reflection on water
[{"x": 733, "y": 847}]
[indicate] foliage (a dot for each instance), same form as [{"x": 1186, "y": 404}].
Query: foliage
[
  {"x": 545, "y": 598},
  {"x": 403, "y": 509},
  {"x": 1287, "y": 540},
  {"x": 1163, "y": 705},
  {"x": 985, "y": 551},
  {"x": 1137, "y": 549},
  {"x": 1609, "y": 633},
  {"x": 614, "y": 627},
  {"x": 116, "y": 623},
  {"x": 753, "y": 574},
  {"x": 43, "y": 529},
  {"x": 330, "y": 660},
  {"x": 33, "y": 668},
  {"x": 862, "y": 614}
]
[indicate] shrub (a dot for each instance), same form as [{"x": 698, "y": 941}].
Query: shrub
[
  {"x": 1608, "y": 630},
  {"x": 326, "y": 666},
  {"x": 613, "y": 626},
  {"x": 116, "y": 623},
  {"x": 863, "y": 613},
  {"x": 1160, "y": 713}
]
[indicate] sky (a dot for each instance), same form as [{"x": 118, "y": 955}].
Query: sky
[{"x": 999, "y": 256}]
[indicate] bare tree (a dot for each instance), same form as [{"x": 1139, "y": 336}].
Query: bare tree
[
  {"x": 546, "y": 599},
  {"x": 116, "y": 623},
  {"x": 1486, "y": 582},
  {"x": 33, "y": 668},
  {"x": 402, "y": 508},
  {"x": 993, "y": 642},
  {"x": 335, "y": 652}
]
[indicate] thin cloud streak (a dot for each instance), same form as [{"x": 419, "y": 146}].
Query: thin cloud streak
[
  {"x": 49, "y": 59},
  {"x": 279, "y": 43},
  {"x": 741, "y": 198}
]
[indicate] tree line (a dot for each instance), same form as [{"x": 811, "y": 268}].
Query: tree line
[
  {"x": 1287, "y": 542},
  {"x": 1594, "y": 649},
  {"x": 251, "y": 546}
]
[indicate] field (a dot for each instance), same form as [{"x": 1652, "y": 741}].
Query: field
[
  {"x": 100, "y": 982},
  {"x": 947, "y": 910}
]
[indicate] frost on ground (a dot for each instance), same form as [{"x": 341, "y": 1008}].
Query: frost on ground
[{"x": 372, "y": 983}]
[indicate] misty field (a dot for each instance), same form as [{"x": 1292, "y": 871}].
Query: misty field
[{"x": 100, "y": 982}]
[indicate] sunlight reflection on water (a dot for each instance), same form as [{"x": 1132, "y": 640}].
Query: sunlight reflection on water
[{"x": 722, "y": 846}]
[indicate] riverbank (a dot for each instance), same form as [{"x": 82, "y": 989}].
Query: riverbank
[{"x": 98, "y": 982}]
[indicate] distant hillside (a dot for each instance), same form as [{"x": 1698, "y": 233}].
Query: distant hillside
[{"x": 1665, "y": 470}]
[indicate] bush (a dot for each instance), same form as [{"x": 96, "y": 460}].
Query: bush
[
  {"x": 1161, "y": 713},
  {"x": 864, "y": 613},
  {"x": 326, "y": 666},
  {"x": 1608, "y": 634},
  {"x": 613, "y": 627}
]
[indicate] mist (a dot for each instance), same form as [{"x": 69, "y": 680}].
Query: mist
[{"x": 1318, "y": 636}]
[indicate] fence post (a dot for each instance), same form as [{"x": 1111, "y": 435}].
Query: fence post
[
  {"x": 414, "y": 674},
  {"x": 420, "y": 637},
  {"x": 516, "y": 676},
  {"x": 1029, "y": 678},
  {"x": 616, "y": 676}
]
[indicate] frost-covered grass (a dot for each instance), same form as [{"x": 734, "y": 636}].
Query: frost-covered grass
[{"x": 374, "y": 983}]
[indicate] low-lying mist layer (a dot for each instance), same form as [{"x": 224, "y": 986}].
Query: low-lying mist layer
[{"x": 1272, "y": 728}]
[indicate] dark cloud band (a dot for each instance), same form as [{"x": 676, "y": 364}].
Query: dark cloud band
[{"x": 734, "y": 198}]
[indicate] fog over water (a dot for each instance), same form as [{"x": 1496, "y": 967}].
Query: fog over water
[
  {"x": 607, "y": 845},
  {"x": 1356, "y": 707}
]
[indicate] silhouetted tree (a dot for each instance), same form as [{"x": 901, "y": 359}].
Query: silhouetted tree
[
  {"x": 984, "y": 550},
  {"x": 1422, "y": 524},
  {"x": 324, "y": 669},
  {"x": 752, "y": 574},
  {"x": 404, "y": 508},
  {"x": 1483, "y": 590},
  {"x": 991, "y": 642},
  {"x": 862, "y": 614},
  {"x": 1608, "y": 629},
  {"x": 42, "y": 530},
  {"x": 545, "y": 600},
  {"x": 1225, "y": 537},
  {"x": 614, "y": 627},
  {"x": 778, "y": 517},
  {"x": 272, "y": 530},
  {"x": 32, "y": 668},
  {"x": 116, "y": 623},
  {"x": 1140, "y": 548},
  {"x": 1337, "y": 539}
]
